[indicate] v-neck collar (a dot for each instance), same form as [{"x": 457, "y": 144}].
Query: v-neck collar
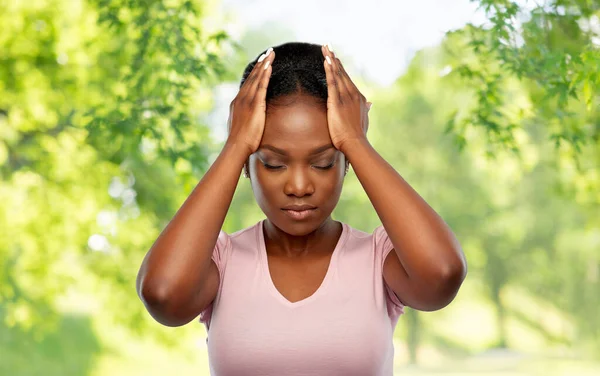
[{"x": 264, "y": 262}]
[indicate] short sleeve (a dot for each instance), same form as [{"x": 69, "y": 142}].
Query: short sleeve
[
  {"x": 383, "y": 246},
  {"x": 221, "y": 252},
  {"x": 220, "y": 255}
]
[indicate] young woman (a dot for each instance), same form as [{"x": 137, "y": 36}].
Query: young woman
[{"x": 299, "y": 293}]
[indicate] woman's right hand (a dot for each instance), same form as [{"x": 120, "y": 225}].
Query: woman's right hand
[{"x": 247, "y": 111}]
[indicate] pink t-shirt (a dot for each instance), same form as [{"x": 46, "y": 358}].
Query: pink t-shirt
[{"x": 344, "y": 328}]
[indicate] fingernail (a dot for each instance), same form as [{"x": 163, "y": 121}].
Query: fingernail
[
  {"x": 267, "y": 64},
  {"x": 328, "y": 59},
  {"x": 269, "y": 51},
  {"x": 262, "y": 57},
  {"x": 329, "y": 47},
  {"x": 370, "y": 105}
]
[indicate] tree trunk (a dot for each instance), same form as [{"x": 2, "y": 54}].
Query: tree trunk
[
  {"x": 412, "y": 320},
  {"x": 500, "y": 317}
]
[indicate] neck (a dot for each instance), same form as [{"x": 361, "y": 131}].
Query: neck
[{"x": 280, "y": 243}]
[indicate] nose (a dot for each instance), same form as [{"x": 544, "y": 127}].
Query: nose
[{"x": 298, "y": 182}]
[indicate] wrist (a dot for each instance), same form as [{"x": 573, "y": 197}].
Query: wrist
[
  {"x": 237, "y": 148},
  {"x": 237, "y": 152},
  {"x": 353, "y": 144}
]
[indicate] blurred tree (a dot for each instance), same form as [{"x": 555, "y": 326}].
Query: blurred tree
[
  {"x": 553, "y": 48},
  {"x": 99, "y": 144}
]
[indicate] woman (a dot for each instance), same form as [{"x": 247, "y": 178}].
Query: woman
[{"x": 300, "y": 293}]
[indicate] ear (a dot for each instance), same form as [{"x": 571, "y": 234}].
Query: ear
[
  {"x": 246, "y": 168},
  {"x": 347, "y": 165}
]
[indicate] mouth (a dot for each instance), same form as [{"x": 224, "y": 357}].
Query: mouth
[{"x": 299, "y": 214}]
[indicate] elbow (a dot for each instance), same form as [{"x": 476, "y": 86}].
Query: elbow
[
  {"x": 450, "y": 280},
  {"x": 158, "y": 302},
  {"x": 155, "y": 299},
  {"x": 156, "y": 293},
  {"x": 152, "y": 294},
  {"x": 443, "y": 286},
  {"x": 453, "y": 274}
]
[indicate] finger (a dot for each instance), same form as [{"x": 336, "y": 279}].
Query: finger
[
  {"x": 341, "y": 77},
  {"x": 259, "y": 70},
  {"x": 332, "y": 88},
  {"x": 345, "y": 77},
  {"x": 336, "y": 69},
  {"x": 352, "y": 88},
  {"x": 260, "y": 92},
  {"x": 342, "y": 88},
  {"x": 252, "y": 76}
]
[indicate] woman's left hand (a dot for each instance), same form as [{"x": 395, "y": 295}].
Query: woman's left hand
[{"x": 347, "y": 108}]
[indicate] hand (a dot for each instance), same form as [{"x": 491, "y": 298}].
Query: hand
[
  {"x": 347, "y": 108},
  {"x": 247, "y": 111}
]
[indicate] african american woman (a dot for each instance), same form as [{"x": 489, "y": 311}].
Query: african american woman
[{"x": 299, "y": 293}]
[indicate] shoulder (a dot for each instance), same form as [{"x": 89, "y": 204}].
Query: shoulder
[
  {"x": 226, "y": 241},
  {"x": 246, "y": 237},
  {"x": 241, "y": 241},
  {"x": 377, "y": 234},
  {"x": 376, "y": 239},
  {"x": 246, "y": 232}
]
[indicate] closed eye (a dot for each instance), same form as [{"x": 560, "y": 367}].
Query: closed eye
[
  {"x": 326, "y": 167},
  {"x": 267, "y": 166},
  {"x": 271, "y": 167}
]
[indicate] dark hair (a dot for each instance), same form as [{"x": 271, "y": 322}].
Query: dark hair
[{"x": 297, "y": 69}]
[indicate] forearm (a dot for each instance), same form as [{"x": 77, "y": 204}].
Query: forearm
[
  {"x": 425, "y": 245},
  {"x": 180, "y": 257}
]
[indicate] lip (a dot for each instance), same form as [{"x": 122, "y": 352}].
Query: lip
[
  {"x": 299, "y": 214},
  {"x": 299, "y": 207}
]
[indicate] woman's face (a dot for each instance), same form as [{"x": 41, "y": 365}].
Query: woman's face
[{"x": 297, "y": 164}]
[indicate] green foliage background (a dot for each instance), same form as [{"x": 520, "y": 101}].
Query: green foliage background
[{"x": 103, "y": 133}]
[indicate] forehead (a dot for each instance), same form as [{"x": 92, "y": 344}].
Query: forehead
[{"x": 297, "y": 127}]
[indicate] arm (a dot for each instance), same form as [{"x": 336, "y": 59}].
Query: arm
[
  {"x": 178, "y": 279},
  {"x": 427, "y": 266}
]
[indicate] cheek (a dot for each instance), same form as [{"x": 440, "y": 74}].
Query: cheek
[
  {"x": 334, "y": 180},
  {"x": 264, "y": 183},
  {"x": 337, "y": 182}
]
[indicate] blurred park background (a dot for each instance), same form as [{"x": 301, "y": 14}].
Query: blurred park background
[{"x": 111, "y": 111}]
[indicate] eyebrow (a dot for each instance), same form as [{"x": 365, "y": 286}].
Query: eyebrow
[{"x": 316, "y": 150}]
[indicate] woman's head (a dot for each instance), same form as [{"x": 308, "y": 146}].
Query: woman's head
[
  {"x": 296, "y": 162},
  {"x": 298, "y": 69}
]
